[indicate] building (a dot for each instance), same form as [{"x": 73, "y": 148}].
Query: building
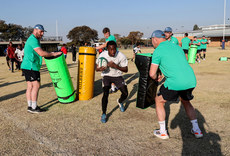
[{"x": 214, "y": 33}]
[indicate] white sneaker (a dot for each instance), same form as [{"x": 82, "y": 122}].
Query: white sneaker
[
  {"x": 197, "y": 133},
  {"x": 158, "y": 134}
]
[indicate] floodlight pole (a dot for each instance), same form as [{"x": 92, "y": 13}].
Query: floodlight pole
[
  {"x": 223, "y": 41},
  {"x": 57, "y": 29}
]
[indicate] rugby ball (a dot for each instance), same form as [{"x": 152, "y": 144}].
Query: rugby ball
[{"x": 102, "y": 62}]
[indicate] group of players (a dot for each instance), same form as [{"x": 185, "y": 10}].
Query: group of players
[{"x": 168, "y": 56}]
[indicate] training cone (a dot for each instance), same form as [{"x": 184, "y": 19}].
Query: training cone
[
  {"x": 86, "y": 72},
  {"x": 61, "y": 79}
]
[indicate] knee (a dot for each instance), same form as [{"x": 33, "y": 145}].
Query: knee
[{"x": 159, "y": 100}]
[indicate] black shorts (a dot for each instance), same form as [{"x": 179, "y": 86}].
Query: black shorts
[
  {"x": 31, "y": 75},
  {"x": 108, "y": 80},
  {"x": 172, "y": 95},
  {"x": 204, "y": 50},
  {"x": 185, "y": 51},
  {"x": 198, "y": 51}
]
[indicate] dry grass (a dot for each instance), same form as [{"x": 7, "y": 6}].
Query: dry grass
[{"x": 75, "y": 129}]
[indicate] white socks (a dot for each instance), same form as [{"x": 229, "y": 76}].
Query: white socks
[
  {"x": 195, "y": 126},
  {"x": 113, "y": 87},
  {"x": 162, "y": 127},
  {"x": 34, "y": 104},
  {"x": 29, "y": 103}
]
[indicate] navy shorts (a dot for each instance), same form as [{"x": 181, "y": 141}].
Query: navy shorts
[
  {"x": 31, "y": 75},
  {"x": 185, "y": 51},
  {"x": 172, "y": 95},
  {"x": 108, "y": 80}
]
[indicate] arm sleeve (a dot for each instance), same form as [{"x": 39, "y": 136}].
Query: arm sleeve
[
  {"x": 124, "y": 61},
  {"x": 35, "y": 44}
]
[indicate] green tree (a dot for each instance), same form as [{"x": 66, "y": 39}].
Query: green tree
[
  {"x": 135, "y": 36},
  {"x": 14, "y": 32},
  {"x": 195, "y": 27},
  {"x": 82, "y": 34},
  {"x": 125, "y": 41}
]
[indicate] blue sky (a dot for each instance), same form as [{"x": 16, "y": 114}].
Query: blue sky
[{"x": 121, "y": 16}]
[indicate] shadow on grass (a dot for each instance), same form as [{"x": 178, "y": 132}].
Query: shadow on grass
[
  {"x": 10, "y": 83},
  {"x": 13, "y": 95},
  {"x": 49, "y": 104},
  {"x": 208, "y": 145}
]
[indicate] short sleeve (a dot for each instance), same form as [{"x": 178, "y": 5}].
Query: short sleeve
[
  {"x": 156, "y": 57},
  {"x": 35, "y": 43},
  {"x": 124, "y": 61}
]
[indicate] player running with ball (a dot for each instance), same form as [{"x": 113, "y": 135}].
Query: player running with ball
[{"x": 117, "y": 63}]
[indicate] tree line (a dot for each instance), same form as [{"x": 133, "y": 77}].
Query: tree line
[
  {"x": 78, "y": 35},
  {"x": 13, "y": 32}
]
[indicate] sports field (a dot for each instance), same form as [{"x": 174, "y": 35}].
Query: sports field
[{"x": 75, "y": 129}]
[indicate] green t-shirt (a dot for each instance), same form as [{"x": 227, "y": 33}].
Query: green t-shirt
[
  {"x": 174, "y": 40},
  {"x": 203, "y": 46},
  {"x": 31, "y": 59},
  {"x": 174, "y": 65},
  {"x": 198, "y": 46},
  {"x": 185, "y": 43},
  {"x": 111, "y": 38}
]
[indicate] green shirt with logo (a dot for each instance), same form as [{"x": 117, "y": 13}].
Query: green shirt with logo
[
  {"x": 203, "y": 46},
  {"x": 174, "y": 40},
  {"x": 185, "y": 43},
  {"x": 172, "y": 62},
  {"x": 31, "y": 59}
]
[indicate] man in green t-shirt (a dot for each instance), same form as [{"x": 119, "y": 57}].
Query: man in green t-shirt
[
  {"x": 169, "y": 36},
  {"x": 185, "y": 43},
  {"x": 108, "y": 37},
  {"x": 180, "y": 81},
  {"x": 197, "y": 43},
  {"x": 203, "y": 45},
  {"x": 31, "y": 65}
]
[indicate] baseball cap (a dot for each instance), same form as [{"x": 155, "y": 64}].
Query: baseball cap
[
  {"x": 168, "y": 29},
  {"x": 158, "y": 34},
  {"x": 39, "y": 26}
]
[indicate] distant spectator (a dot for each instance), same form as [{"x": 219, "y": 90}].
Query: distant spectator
[
  {"x": 11, "y": 55},
  {"x": 73, "y": 50},
  {"x": 7, "y": 57},
  {"x": 64, "y": 50},
  {"x": 135, "y": 51},
  {"x": 19, "y": 53}
]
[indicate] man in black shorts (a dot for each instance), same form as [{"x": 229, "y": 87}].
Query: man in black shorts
[
  {"x": 31, "y": 65},
  {"x": 180, "y": 81},
  {"x": 117, "y": 63},
  {"x": 185, "y": 43}
]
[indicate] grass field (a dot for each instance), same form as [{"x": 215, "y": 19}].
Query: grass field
[{"x": 75, "y": 129}]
